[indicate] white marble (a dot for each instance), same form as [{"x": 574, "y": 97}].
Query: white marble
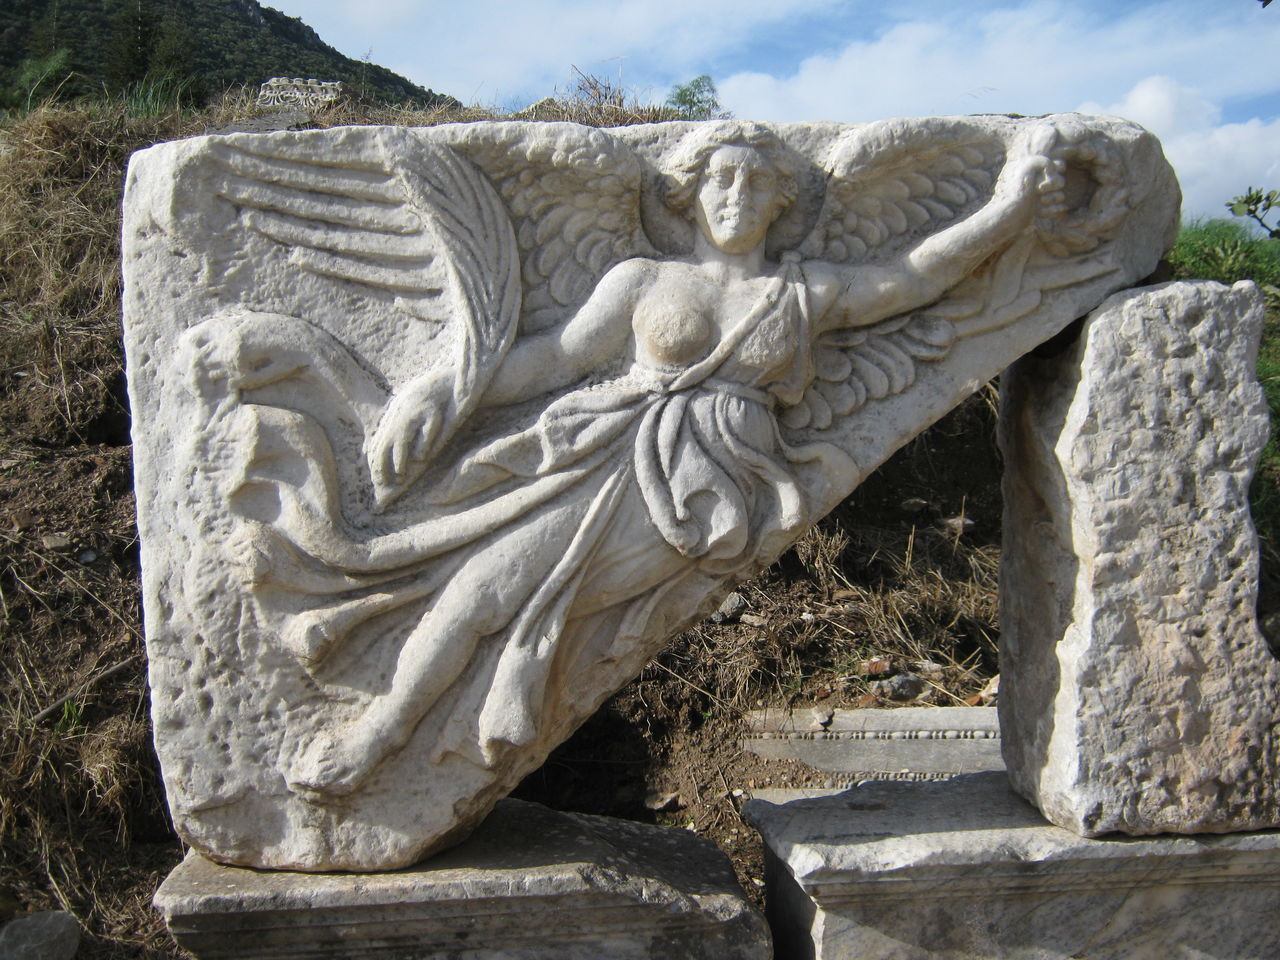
[
  {"x": 965, "y": 869},
  {"x": 529, "y": 884},
  {"x": 1137, "y": 693},
  {"x": 306, "y": 94},
  {"x": 847, "y": 747},
  {"x": 441, "y": 433}
]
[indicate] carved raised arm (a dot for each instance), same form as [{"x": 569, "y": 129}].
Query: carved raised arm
[
  {"x": 410, "y": 432},
  {"x": 1030, "y": 181}
]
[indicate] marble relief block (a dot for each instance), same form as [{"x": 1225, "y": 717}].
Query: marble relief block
[{"x": 441, "y": 433}]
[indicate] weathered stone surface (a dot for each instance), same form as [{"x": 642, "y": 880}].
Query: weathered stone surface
[
  {"x": 964, "y": 869},
  {"x": 853, "y": 746},
  {"x": 441, "y": 433},
  {"x": 48, "y": 935},
  {"x": 1137, "y": 693},
  {"x": 530, "y": 884}
]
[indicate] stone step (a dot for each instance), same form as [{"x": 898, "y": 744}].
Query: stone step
[
  {"x": 967, "y": 870},
  {"x": 854, "y": 746},
  {"x": 529, "y": 883}
]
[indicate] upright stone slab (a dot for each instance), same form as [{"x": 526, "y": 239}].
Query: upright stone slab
[
  {"x": 1137, "y": 694},
  {"x": 965, "y": 869},
  {"x": 441, "y": 433},
  {"x": 529, "y": 884}
]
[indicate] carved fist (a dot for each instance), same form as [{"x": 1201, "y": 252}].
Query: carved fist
[
  {"x": 1087, "y": 194},
  {"x": 406, "y": 436},
  {"x": 1035, "y": 173}
]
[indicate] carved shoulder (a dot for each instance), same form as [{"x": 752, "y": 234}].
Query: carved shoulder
[
  {"x": 604, "y": 321},
  {"x": 824, "y": 282}
]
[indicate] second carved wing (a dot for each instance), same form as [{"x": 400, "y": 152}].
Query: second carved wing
[{"x": 385, "y": 240}]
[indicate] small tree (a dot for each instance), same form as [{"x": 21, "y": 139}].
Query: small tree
[
  {"x": 695, "y": 100},
  {"x": 1256, "y": 205},
  {"x": 37, "y": 77}
]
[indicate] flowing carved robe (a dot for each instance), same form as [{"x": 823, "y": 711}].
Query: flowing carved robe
[{"x": 661, "y": 474}]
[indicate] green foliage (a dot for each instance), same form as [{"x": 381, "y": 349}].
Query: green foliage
[
  {"x": 695, "y": 100},
  {"x": 36, "y": 78},
  {"x": 117, "y": 43},
  {"x": 129, "y": 46},
  {"x": 1256, "y": 205},
  {"x": 1226, "y": 251},
  {"x": 1264, "y": 494}
]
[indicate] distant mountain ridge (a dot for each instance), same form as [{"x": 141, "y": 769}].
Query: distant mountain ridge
[{"x": 219, "y": 43}]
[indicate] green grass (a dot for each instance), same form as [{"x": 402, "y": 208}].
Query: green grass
[
  {"x": 1228, "y": 251},
  {"x": 156, "y": 95}
]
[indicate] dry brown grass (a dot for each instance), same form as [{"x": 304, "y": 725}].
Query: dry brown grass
[
  {"x": 82, "y": 819},
  {"x": 60, "y": 176}
]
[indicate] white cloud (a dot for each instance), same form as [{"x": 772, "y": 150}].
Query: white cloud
[
  {"x": 1169, "y": 65},
  {"x": 494, "y": 50},
  {"x": 1215, "y": 161},
  {"x": 1163, "y": 106}
]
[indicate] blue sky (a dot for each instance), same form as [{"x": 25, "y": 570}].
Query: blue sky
[{"x": 1199, "y": 73}]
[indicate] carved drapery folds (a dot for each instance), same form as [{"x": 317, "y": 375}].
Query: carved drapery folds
[{"x": 441, "y": 433}]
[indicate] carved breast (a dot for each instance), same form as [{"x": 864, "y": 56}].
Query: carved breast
[{"x": 672, "y": 335}]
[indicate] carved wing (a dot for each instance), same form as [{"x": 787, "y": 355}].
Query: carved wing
[
  {"x": 894, "y": 182},
  {"x": 857, "y": 365},
  {"x": 400, "y": 230},
  {"x": 574, "y": 194}
]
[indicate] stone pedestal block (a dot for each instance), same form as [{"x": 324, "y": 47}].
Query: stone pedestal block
[
  {"x": 530, "y": 884},
  {"x": 1137, "y": 694},
  {"x": 965, "y": 869}
]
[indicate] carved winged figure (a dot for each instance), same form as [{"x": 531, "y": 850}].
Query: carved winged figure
[{"x": 587, "y": 381}]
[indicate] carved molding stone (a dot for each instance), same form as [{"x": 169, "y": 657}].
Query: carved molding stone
[
  {"x": 306, "y": 94},
  {"x": 441, "y": 433},
  {"x": 849, "y": 747}
]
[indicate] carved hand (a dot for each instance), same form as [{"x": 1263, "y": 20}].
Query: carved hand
[
  {"x": 405, "y": 438},
  {"x": 1034, "y": 174}
]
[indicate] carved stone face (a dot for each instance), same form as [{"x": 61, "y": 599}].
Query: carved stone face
[{"x": 738, "y": 198}]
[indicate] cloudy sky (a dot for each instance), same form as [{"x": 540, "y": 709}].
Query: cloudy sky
[{"x": 1199, "y": 73}]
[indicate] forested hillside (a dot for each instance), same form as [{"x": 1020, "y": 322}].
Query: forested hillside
[{"x": 107, "y": 45}]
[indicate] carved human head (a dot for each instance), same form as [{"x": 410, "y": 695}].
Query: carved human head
[{"x": 733, "y": 179}]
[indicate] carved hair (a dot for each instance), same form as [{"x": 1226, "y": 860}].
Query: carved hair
[{"x": 689, "y": 161}]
